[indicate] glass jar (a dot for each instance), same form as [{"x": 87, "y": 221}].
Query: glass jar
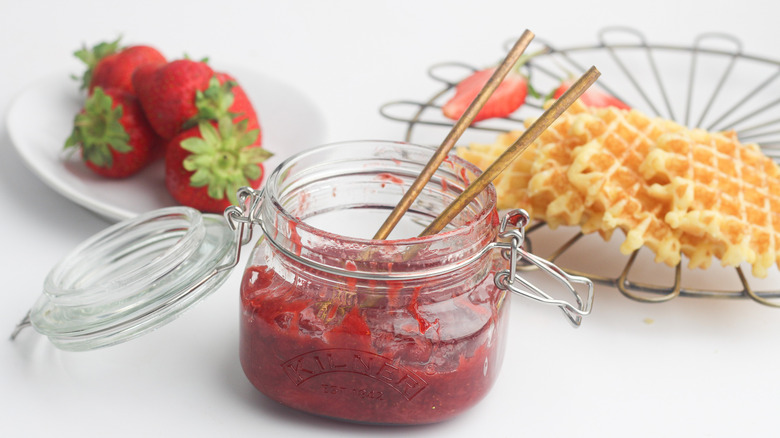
[{"x": 407, "y": 330}]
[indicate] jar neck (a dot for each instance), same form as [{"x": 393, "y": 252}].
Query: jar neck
[{"x": 353, "y": 187}]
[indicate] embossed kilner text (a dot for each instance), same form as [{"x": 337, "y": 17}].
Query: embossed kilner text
[{"x": 341, "y": 360}]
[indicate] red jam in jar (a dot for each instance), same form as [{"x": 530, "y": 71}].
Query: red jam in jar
[{"x": 408, "y": 330}]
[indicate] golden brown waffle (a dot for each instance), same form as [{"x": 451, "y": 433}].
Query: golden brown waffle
[
  {"x": 516, "y": 175},
  {"x": 722, "y": 191},
  {"x": 605, "y": 169},
  {"x": 549, "y": 186},
  {"x": 549, "y": 190}
]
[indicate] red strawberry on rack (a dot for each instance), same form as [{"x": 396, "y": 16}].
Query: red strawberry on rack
[
  {"x": 206, "y": 165},
  {"x": 507, "y": 97},
  {"x": 593, "y": 96},
  {"x": 115, "y": 139},
  {"x": 111, "y": 66}
]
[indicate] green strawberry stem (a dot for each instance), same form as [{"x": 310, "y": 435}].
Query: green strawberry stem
[
  {"x": 223, "y": 159},
  {"x": 91, "y": 57},
  {"x": 98, "y": 130},
  {"x": 213, "y": 103},
  {"x": 204, "y": 60},
  {"x": 524, "y": 58}
]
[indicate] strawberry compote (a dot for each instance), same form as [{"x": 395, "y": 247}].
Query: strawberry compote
[{"x": 404, "y": 331}]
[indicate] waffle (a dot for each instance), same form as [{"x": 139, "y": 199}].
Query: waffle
[
  {"x": 605, "y": 169},
  {"x": 549, "y": 190},
  {"x": 723, "y": 191},
  {"x": 536, "y": 180},
  {"x": 513, "y": 177}
]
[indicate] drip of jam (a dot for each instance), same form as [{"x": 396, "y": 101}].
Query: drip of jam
[{"x": 295, "y": 238}]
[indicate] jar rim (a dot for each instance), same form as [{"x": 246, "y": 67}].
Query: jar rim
[
  {"x": 273, "y": 180},
  {"x": 316, "y": 171}
]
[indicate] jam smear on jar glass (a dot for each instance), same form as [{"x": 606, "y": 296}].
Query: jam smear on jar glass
[{"x": 404, "y": 331}]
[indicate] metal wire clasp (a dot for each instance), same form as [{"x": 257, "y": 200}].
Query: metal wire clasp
[
  {"x": 515, "y": 253},
  {"x": 244, "y": 212},
  {"x": 241, "y": 217}
]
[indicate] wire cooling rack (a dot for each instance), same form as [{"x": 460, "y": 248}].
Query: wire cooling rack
[{"x": 710, "y": 84}]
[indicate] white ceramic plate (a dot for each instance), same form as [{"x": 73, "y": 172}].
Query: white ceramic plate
[{"x": 41, "y": 118}]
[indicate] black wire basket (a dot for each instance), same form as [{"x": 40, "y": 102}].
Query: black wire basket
[{"x": 711, "y": 84}]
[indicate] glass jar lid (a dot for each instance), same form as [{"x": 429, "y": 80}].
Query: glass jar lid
[{"x": 133, "y": 277}]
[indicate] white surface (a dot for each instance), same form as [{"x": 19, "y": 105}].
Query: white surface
[
  {"x": 53, "y": 101},
  {"x": 684, "y": 368}
]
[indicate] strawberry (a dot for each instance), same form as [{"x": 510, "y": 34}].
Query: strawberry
[
  {"x": 224, "y": 97},
  {"x": 115, "y": 139},
  {"x": 242, "y": 107},
  {"x": 178, "y": 95},
  {"x": 167, "y": 93},
  {"x": 206, "y": 165},
  {"x": 110, "y": 66},
  {"x": 507, "y": 97},
  {"x": 593, "y": 96}
]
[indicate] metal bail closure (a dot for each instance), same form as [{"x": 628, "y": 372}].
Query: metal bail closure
[{"x": 509, "y": 279}]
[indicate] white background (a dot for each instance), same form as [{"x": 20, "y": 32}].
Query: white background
[{"x": 689, "y": 367}]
